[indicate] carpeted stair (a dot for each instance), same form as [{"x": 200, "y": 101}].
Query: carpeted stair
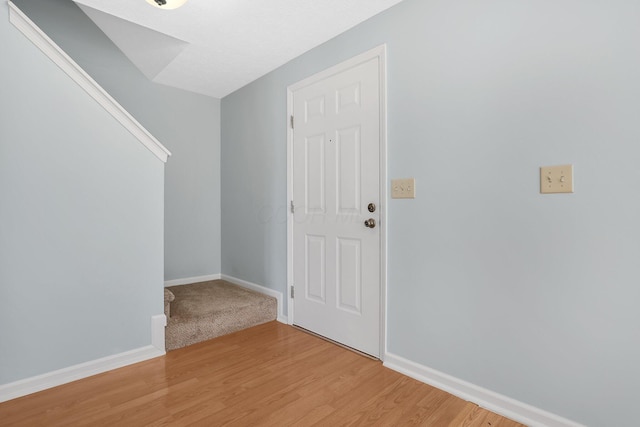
[{"x": 202, "y": 311}]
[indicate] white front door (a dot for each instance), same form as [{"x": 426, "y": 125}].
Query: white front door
[{"x": 336, "y": 189}]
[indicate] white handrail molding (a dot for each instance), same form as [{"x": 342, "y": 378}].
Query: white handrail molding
[{"x": 27, "y": 27}]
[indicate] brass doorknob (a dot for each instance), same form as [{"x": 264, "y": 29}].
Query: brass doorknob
[{"x": 371, "y": 223}]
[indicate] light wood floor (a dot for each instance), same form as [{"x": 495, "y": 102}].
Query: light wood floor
[{"x": 269, "y": 375}]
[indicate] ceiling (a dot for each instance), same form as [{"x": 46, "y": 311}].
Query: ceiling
[{"x": 214, "y": 47}]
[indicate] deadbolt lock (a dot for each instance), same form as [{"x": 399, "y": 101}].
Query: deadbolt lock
[{"x": 372, "y": 207}]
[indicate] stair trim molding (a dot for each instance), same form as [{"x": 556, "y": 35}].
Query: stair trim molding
[
  {"x": 73, "y": 373},
  {"x": 32, "y": 32},
  {"x": 281, "y": 317},
  {"x": 158, "y": 324},
  {"x": 490, "y": 400},
  {"x": 189, "y": 280}
]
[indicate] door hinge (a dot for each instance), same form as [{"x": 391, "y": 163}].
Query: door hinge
[
  {"x": 293, "y": 208},
  {"x": 292, "y": 293},
  {"x": 291, "y": 122}
]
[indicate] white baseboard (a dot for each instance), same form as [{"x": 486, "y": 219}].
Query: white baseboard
[
  {"x": 282, "y": 318},
  {"x": 502, "y": 405},
  {"x": 158, "y": 324},
  {"x": 62, "y": 376},
  {"x": 189, "y": 280}
]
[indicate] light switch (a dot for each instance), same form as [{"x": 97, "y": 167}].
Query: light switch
[
  {"x": 556, "y": 179},
  {"x": 404, "y": 188}
]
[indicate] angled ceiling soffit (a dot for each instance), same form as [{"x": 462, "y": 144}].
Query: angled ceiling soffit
[{"x": 149, "y": 50}]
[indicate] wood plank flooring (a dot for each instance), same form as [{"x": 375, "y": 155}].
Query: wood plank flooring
[{"x": 269, "y": 375}]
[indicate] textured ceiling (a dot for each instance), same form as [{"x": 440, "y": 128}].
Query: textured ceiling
[{"x": 214, "y": 47}]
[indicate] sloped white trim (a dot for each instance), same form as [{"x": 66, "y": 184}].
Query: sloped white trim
[
  {"x": 189, "y": 280},
  {"x": 500, "y": 404},
  {"x": 76, "y": 372},
  {"x": 282, "y": 318},
  {"x": 77, "y": 74}
]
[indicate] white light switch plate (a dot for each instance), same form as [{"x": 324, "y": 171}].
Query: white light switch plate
[
  {"x": 556, "y": 179},
  {"x": 404, "y": 188}
]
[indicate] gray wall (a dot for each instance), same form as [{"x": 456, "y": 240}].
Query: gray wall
[
  {"x": 532, "y": 296},
  {"x": 81, "y": 221},
  {"x": 254, "y": 173},
  {"x": 187, "y": 124}
]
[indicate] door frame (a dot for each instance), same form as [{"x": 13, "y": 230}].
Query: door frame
[{"x": 379, "y": 52}]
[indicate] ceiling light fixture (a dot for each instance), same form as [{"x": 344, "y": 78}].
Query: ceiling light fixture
[{"x": 167, "y": 4}]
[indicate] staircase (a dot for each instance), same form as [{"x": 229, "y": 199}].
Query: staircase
[{"x": 206, "y": 310}]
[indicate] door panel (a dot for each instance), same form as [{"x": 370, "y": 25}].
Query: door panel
[
  {"x": 349, "y": 154},
  {"x": 316, "y": 284},
  {"x": 349, "y": 275},
  {"x": 315, "y": 179},
  {"x": 336, "y": 161}
]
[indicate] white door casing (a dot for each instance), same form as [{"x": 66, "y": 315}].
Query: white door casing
[{"x": 337, "y": 167}]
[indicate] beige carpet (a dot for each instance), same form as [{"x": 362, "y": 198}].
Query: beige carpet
[{"x": 202, "y": 311}]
